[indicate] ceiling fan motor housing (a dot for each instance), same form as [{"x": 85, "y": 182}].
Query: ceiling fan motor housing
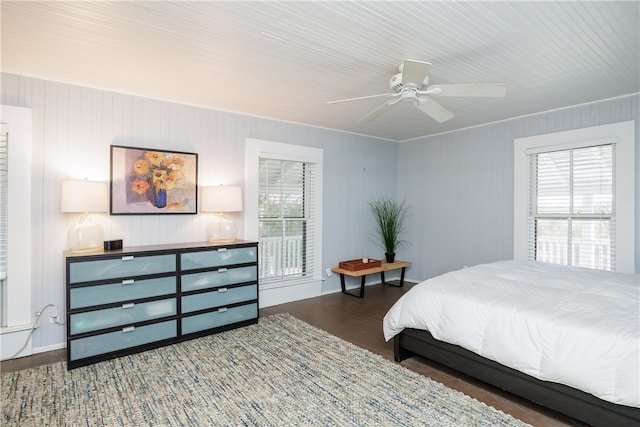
[{"x": 396, "y": 84}]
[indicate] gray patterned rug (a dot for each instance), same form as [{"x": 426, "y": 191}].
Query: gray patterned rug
[{"x": 279, "y": 372}]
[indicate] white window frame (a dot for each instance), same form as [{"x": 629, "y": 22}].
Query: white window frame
[
  {"x": 623, "y": 134},
  {"x": 17, "y": 122},
  {"x": 279, "y": 292}
]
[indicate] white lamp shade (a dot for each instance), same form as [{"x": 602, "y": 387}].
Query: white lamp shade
[
  {"x": 221, "y": 198},
  {"x": 84, "y": 196}
]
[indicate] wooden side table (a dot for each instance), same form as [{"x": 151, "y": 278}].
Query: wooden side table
[{"x": 385, "y": 266}]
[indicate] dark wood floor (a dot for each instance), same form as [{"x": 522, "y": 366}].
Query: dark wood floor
[{"x": 360, "y": 322}]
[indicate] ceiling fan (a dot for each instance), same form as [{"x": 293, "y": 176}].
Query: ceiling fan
[{"x": 412, "y": 84}]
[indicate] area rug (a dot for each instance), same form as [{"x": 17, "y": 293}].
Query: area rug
[{"x": 279, "y": 372}]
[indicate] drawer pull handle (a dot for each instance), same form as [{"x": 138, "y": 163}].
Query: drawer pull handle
[
  {"x": 222, "y": 310},
  {"x": 128, "y": 282},
  {"x": 128, "y": 258},
  {"x": 128, "y": 329},
  {"x": 222, "y": 270},
  {"x": 222, "y": 249},
  {"x": 222, "y": 290},
  {"x": 128, "y": 305}
]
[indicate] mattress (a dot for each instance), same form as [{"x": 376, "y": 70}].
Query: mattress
[{"x": 570, "y": 325}]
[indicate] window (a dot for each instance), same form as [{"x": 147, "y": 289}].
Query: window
[
  {"x": 17, "y": 309},
  {"x": 4, "y": 159},
  {"x": 283, "y": 212},
  {"x": 574, "y": 197},
  {"x": 571, "y": 219},
  {"x": 286, "y": 219}
]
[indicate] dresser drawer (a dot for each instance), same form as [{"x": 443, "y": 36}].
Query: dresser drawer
[
  {"x": 221, "y": 277},
  {"x": 126, "y": 314},
  {"x": 120, "y": 340},
  {"x": 126, "y": 290},
  {"x": 218, "y": 257},
  {"x": 123, "y": 267},
  {"x": 218, "y": 298},
  {"x": 214, "y": 319}
]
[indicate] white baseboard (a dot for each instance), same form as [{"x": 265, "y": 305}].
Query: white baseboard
[
  {"x": 293, "y": 292},
  {"x": 47, "y": 348}
]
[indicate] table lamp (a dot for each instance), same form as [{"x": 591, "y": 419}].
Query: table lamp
[
  {"x": 221, "y": 199},
  {"x": 84, "y": 197}
]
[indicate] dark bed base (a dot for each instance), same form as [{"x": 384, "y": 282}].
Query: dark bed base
[{"x": 566, "y": 400}]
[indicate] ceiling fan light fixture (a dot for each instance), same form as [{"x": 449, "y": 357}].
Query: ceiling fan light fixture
[{"x": 409, "y": 94}]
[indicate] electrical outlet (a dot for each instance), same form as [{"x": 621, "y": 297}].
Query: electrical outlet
[
  {"x": 329, "y": 272},
  {"x": 53, "y": 313}
]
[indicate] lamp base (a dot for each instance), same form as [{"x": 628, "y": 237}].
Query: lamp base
[
  {"x": 223, "y": 231},
  {"x": 86, "y": 236}
]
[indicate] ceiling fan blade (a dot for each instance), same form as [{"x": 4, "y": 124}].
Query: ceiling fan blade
[
  {"x": 469, "y": 89},
  {"x": 378, "y": 111},
  {"x": 433, "y": 109},
  {"x": 363, "y": 97},
  {"x": 414, "y": 72}
]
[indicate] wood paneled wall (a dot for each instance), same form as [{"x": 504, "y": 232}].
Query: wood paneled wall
[
  {"x": 74, "y": 127},
  {"x": 460, "y": 185}
]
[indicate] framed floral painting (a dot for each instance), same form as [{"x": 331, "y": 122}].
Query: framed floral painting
[{"x": 145, "y": 181}]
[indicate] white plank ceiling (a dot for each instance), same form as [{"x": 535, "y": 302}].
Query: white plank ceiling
[{"x": 284, "y": 60}]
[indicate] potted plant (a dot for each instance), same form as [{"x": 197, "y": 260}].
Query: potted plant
[{"x": 390, "y": 216}]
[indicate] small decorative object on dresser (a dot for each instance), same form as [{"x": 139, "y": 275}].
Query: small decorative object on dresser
[
  {"x": 131, "y": 300},
  {"x": 110, "y": 245}
]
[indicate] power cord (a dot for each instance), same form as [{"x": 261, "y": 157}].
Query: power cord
[{"x": 35, "y": 326}]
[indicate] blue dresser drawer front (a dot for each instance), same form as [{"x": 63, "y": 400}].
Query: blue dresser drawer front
[
  {"x": 126, "y": 314},
  {"x": 120, "y": 340},
  {"x": 126, "y": 290},
  {"x": 123, "y": 267},
  {"x": 214, "y": 319},
  {"x": 218, "y": 298},
  {"x": 218, "y": 257},
  {"x": 221, "y": 277}
]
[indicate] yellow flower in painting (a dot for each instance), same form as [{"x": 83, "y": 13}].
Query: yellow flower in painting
[
  {"x": 156, "y": 171},
  {"x": 140, "y": 186},
  {"x": 154, "y": 157},
  {"x": 176, "y": 174},
  {"x": 169, "y": 182},
  {"x": 141, "y": 167},
  {"x": 160, "y": 185},
  {"x": 173, "y": 163},
  {"x": 159, "y": 175}
]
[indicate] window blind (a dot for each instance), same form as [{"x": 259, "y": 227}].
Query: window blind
[
  {"x": 286, "y": 219},
  {"x": 4, "y": 161},
  {"x": 4, "y": 216},
  {"x": 571, "y": 199}
]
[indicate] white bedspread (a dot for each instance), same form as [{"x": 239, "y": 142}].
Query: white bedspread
[{"x": 574, "y": 326}]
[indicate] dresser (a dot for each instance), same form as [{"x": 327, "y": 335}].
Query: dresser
[{"x": 135, "y": 299}]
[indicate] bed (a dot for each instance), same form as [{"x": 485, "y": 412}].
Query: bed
[{"x": 566, "y": 338}]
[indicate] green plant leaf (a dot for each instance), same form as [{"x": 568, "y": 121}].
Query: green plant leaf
[{"x": 390, "y": 216}]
